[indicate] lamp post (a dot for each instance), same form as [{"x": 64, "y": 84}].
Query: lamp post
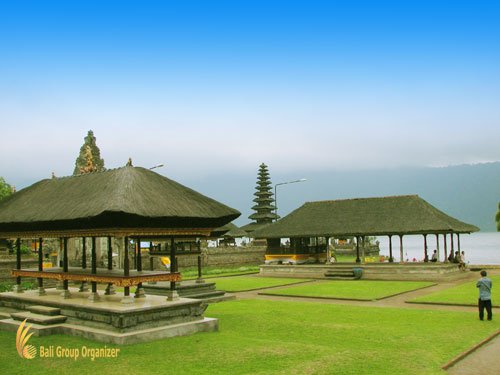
[
  {"x": 156, "y": 166},
  {"x": 276, "y": 193}
]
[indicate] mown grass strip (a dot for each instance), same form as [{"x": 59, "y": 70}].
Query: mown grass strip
[{"x": 249, "y": 283}]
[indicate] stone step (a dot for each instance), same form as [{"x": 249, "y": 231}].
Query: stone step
[
  {"x": 38, "y": 318},
  {"x": 6, "y": 311},
  {"x": 225, "y": 297},
  {"x": 340, "y": 272},
  {"x": 44, "y": 310},
  {"x": 187, "y": 290},
  {"x": 341, "y": 278},
  {"x": 193, "y": 285},
  {"x": 215, "y": 293}
]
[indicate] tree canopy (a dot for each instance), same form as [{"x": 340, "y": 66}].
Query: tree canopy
[{"x": 5, "y": 189}]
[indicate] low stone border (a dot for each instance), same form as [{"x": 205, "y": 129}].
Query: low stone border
[
  {"x": 461, "y": 356},
  {"x": 345, "y": 298},
  {"x": 220, "y": 276},
  {"x": 268, "y": 287},
  {"x": 445, "y": 304},
  {"x": 315, "y": 297}
]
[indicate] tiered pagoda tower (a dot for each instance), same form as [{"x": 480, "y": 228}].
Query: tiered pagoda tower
[
  {"x": 264, "y": 200},
  {"x": 89, "y": 160}
]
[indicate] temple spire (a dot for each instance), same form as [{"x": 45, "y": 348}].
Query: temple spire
[
  {"x": 264, "y": 198},
  {"x": 89, "y": 160}
]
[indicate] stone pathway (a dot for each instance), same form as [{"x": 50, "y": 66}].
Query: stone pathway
[{"x": 485, "y": 360}]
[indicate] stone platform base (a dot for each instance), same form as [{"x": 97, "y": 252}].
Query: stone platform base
[
  {"x": 109, "y": 337},
  {"x": 106, "y": 319},
  {"x": 372, "y": 271}
]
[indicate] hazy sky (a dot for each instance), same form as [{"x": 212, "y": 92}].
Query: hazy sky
[{"x": 207, "y": 87}]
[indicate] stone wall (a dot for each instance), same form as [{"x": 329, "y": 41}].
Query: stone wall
[
  {"x": 8, "y": 263},
  {"x": 211, "y": 257},
  {"x": 371, "y": 271},
  {"x": 214, "y": 257}
]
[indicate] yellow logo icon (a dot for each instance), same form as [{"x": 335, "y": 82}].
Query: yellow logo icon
[{"x": 22, "y": 337}]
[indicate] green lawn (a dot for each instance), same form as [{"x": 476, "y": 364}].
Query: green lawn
[
  {"x": 278, "y": 337},
  {"x": 245, "y": 283},
  {"x": 356, "y": 289},
  {"x": 463, "y": 294}
]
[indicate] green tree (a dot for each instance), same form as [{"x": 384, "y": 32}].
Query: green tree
[
  {"x": 89, "y": 160},
  {"x": 498, "y": 217},
  {"x": 5, "y": 189}
]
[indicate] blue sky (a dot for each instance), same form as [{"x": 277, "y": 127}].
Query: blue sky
[{"x": 210, "y": 87}]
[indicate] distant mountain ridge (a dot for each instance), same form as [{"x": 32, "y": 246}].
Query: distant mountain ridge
[{"x": 468, "y": 192}]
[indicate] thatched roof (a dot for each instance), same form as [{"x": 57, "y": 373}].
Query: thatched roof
[
  {"x": 128, "y": 197},
  {"x": 229, "y": 230},
  {"x": 234, "y": 232},
  {"x": 253, "y": 226},
  {"x": 407, "y": 214}
]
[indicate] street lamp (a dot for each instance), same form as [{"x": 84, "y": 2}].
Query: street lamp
[{"x": 276, "y": 193}]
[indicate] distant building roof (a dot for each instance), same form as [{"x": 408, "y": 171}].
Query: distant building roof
[
  {"x": 127, "y": 197},
  {"x": 408, "y": 214},
  {"x": 250, "y": 227},
  {"x": 229, "y": 230}
]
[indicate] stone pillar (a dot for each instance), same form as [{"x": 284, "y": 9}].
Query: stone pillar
[
  {"x": 94, "y": 296},
  {"x": 18, "y": 288},
  {"x": 139, "y": 292},
  {"x": 41, "y": 290},
  {"x": 172, "y": 294},
  {"x": 401, "y": 252},
  {"x": 437, "y": 245},
  {"x": 357, "y": 250},
  {"x": 426, "y": 256},
  {"x": 452, "y": 248},
  {"x": 391, "y": 258},
  {"x": 445, "y": 248},
  {"x": 126, "y": 272},
  {"x": 199, "y": 280},
  {"x": 83, "y": 286},
  {"x": 110, "y": 289},
  {"x": 65, "y": 293},
  {"x": 363, "y": 249}
]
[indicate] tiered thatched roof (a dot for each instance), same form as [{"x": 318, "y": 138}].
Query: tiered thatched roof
[
  {"x": 407, "y": 214},
  {"x": 128, "y": 197}
]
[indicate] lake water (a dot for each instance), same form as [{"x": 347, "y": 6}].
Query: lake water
[{"x": 480, "y": 248}]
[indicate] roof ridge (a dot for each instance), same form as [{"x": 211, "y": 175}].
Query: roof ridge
[
  {"x": 359, "y": 199},
  {"x": 90, "y": 173}
]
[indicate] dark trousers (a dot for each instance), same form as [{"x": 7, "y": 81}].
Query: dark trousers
[{"x": 482, "y": 305}]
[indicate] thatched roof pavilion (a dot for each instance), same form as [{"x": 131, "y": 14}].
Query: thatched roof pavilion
[
  {"x": 126, "y": 201},
  {"x": 129, "y": 202},
  {"x": 407, "y": 214},
  {"x": 384, "y": 216}
]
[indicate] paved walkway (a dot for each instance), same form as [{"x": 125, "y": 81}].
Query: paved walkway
[{"x": 485, "y": 360}]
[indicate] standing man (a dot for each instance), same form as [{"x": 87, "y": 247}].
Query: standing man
[{"x": 484, "y": 284}]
